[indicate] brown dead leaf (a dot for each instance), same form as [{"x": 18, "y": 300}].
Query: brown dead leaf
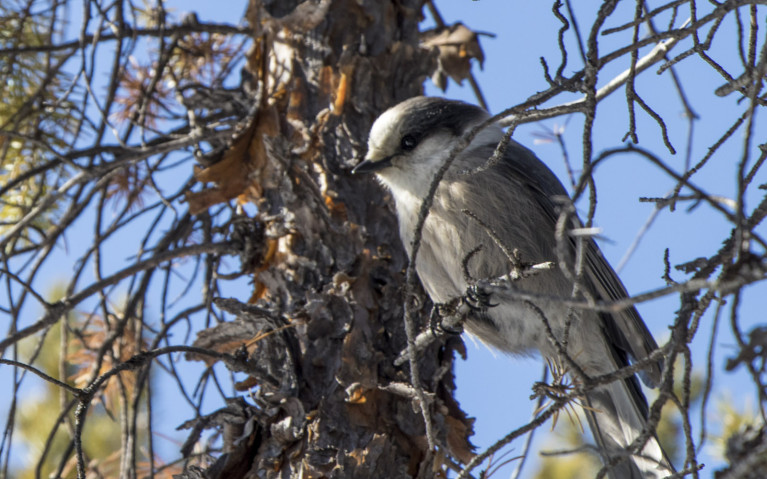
[
  {"x": 457, "y": 45},
  {"x": 242, "y": 170},
  {"x": 246, "y": 384},
  {"x": 458, "y": 433}
]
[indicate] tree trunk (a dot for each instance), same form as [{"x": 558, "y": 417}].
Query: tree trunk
[{"x": 329, "y": 279}]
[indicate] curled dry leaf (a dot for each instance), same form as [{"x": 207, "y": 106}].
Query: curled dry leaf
[
  {"x": 458, "y": 432},
  {"x": 243, "y": 168},
  {"x": 457, "y": 45}
]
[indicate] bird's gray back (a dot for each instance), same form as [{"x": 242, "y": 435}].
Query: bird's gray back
[{"x": 530, "y": 196}]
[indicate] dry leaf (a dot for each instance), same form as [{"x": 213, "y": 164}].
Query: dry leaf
[
  {"x": 457, "y": 45},
  {"x": 458, "y": 433},
  {"x": 246, "y": 384},
  {"x": 243, "y": 168}
]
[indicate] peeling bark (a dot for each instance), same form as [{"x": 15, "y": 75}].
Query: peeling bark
[{"x": 326, "y": 325}]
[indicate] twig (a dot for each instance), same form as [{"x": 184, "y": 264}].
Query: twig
[
  {"x": 529, "y": 441},
  {"x": 41, "y": 374},
  {"x": 61, "y": 307},
  {"x": 540, "y": 419},
  {"x": 651, "y": 58},
  {"x": 130, "y": 33}
]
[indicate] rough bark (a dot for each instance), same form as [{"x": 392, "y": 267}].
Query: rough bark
[{"x": 329, "y": 275}]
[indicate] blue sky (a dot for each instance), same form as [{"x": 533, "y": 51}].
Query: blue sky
[{"x": 495, "y": 388}]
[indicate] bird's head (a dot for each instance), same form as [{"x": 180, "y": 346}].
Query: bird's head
[{"x": 411, "y": 140}]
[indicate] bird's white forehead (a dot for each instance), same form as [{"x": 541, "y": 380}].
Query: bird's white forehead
[{"x": 385, "y": 127}]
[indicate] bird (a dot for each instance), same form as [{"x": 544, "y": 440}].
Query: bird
[{"x": 487, "y": 206}]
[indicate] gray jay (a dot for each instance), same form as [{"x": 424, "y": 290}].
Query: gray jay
[{"x": 515, "y": 204}]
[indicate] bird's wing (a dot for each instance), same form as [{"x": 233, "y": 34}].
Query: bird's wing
[
  {"x": 608, "y": 287},
  {"x": 625, "y": 329}
]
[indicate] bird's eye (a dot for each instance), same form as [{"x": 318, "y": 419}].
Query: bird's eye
[{"x": 408, "y": 142}]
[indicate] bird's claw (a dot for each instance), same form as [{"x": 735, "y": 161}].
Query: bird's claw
[
  {"x": 438, "y": 312},
  {"x": 478, "y": 299}
]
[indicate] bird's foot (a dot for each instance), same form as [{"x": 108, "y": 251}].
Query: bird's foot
[
  {"x": 438, "y": 313},
  {"x": 477, "y": 299}
]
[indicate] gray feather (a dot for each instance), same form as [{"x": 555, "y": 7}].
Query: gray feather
[{"x": 518, "y": 199}]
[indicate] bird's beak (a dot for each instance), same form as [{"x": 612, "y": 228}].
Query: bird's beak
[{"x": 370, "y": 166}]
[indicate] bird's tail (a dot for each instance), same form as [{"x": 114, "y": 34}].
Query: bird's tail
[{"x": 617, "y": 415}]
